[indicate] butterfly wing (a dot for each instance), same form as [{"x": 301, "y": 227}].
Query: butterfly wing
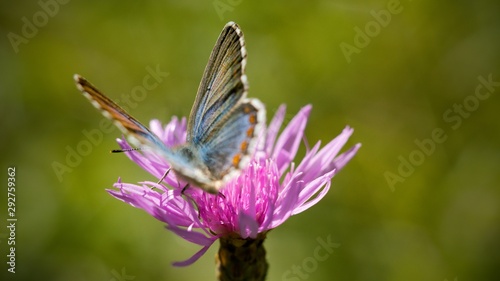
[
  {"x": 137, "y": 134},
  {"x": 224, "y": 124},
  {"x": 223, "y": 85},
  {"x": 232, "y": 147}
]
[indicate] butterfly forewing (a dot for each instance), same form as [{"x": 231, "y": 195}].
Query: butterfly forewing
[
  {"x": 138, "y": 134},
  {"x": 222, "y": 87}
]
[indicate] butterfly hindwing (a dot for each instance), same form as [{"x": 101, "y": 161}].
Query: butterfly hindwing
[{"x": 230, "y": 149}]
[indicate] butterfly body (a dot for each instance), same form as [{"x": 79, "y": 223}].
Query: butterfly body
[{"x": 224, "y": 125}]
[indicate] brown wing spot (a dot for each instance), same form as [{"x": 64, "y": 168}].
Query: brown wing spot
[
  {"x": 246, "y": 109},
  {"x": 252, "y": 119},
  {"x": 250, "y": 132},
  {"x": 236, "y": 160},
  {"x": 244, "y": 146}
]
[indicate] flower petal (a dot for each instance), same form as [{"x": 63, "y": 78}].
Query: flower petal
[
  {"x": 192, "y": 236},
  {"x": 286, "y": 203},
  {"x": 341, "y": 160},
  {"x": 321, "y": 162},
  {"x": 194, "y": 258},
  {"x": 288, "y": 143},
  {"x": 274, "y": 128},
  {"x": 317, "y": 189}
]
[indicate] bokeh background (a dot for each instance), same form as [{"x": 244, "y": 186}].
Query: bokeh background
[{"x": 436, "y": 219}]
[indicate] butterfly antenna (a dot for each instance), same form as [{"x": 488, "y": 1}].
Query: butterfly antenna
[{"x": 125, "y": 150}]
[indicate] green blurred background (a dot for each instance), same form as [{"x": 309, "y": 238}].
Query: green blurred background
[{"x": 437, "y": 220}]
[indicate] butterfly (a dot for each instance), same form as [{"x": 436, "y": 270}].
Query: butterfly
[{"x": 224, "y": 126}]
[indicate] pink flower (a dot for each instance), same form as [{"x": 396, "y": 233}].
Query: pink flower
[{"x": 269, "y": 191}]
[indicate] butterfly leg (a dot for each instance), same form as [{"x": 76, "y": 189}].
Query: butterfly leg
[
  {"x": 191, "y": 199},
  {"x": 184, "y": 188},
  {"x": 164, "y": 176}
]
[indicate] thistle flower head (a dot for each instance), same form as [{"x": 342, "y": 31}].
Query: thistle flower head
[{"x": 265, "y": 194}]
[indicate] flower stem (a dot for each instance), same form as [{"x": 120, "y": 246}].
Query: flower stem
[{"x": 242, "y": 259}]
